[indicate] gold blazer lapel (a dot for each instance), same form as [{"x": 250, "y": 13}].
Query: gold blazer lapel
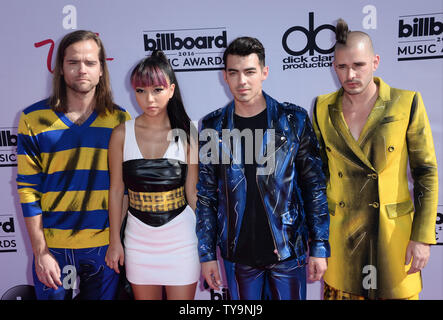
[
  {"x": 373, "y": 144},
  {"x": 349, "y": 147}
]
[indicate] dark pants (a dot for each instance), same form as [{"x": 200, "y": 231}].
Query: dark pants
[
  {"x": 97, "y": 280},
  {"x": 285, "y": 280}
]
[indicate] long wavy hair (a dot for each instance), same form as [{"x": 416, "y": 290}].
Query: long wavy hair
[
  {"x": 155, "y": 70},
  {"x": 103, "y": 93}
]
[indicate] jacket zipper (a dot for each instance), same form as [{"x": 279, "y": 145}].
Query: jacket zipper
[
  {"x": 264, "y": 207},
  {"x": 267, "y": 218},
  {"x": 227, "y": 215}
]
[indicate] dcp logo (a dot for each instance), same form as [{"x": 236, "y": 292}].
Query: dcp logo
[{"x": 311, "y": 38}]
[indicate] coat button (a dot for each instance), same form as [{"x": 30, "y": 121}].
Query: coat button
[
  {"x": 340, "y": 174},
  {"x": 341, "y": 204},
  {"x": 391, "y": 148},
  {"x": 375, "y": 205},
  {"x": 328, "y": 149}
]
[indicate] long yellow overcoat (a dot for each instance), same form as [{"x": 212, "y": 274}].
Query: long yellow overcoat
[{"x": 372, "y": 214}]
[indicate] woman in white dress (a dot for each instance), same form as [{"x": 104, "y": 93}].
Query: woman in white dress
[{"x": 160, "y": 244}]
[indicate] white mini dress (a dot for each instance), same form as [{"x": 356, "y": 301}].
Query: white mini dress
[{"x": 165, "y": 254}]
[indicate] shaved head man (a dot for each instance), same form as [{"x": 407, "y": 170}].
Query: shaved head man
[{"x": 369, "y": 132}]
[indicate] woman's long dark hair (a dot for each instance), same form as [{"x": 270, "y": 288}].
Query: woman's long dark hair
[{"x": 155, "y": 70}]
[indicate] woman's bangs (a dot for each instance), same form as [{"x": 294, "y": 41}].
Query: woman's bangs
[{"x": 149, "y": 76}]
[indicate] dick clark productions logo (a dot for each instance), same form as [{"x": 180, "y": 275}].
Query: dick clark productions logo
[{"x": 309, "y": 47}]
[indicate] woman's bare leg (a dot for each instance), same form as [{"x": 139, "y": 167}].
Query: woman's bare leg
[
  {"x": 186, "y": 292},
  {"x": 147, "y": 292}
]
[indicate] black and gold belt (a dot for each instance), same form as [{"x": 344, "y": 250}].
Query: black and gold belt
[{"x": 157, "y": 208}]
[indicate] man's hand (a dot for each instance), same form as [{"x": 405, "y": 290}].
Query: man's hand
[
  {"x": 48, "y": 270},
  {"x": 419, "y": 253},
  {"x": 211, "y": 274},
  {"x": 316, "y": 268}
]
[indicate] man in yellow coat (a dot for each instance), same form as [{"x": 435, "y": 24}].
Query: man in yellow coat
[{"x": 368, "y": 132}]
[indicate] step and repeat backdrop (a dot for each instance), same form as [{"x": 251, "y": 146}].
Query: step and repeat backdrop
[{"x": 298, "y": 37}]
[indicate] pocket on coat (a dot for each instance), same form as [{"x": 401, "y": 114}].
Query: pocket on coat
[
  {"x": 394, "y": 118},
  {"x": 395, "y": 210}
]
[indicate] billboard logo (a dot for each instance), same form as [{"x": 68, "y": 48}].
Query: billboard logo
[
  {"x": 7, "y": 139},
  {"x": 20, "y": 292},
  {"x": 420, "y": 37},
  {"x": 169, "y": 41},
  {"x": 189, "y": 49},
  {"x": 7, "y": 226},
  {"x": 221, "y": 295},
  {"x": 316, "y": 46},
  {"x": 7, "y": 234},
  {"x": 420, "y": 27},
  {"x": 8, "y": 147}
]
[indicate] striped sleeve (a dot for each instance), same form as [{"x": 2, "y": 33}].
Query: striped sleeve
[{"x": 29, "y": 173}]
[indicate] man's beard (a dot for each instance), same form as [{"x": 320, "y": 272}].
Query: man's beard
[{"x": 80, "y": 88}]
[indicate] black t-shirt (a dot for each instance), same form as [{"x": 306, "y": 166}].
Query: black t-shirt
[{"x": 255, "y": 245}]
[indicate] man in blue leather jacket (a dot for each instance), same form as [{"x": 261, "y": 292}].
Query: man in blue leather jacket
[{"x": 261, "y": 189}]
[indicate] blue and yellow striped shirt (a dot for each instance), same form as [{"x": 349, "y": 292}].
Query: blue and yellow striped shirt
[{"x": 63, "y": 174}]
